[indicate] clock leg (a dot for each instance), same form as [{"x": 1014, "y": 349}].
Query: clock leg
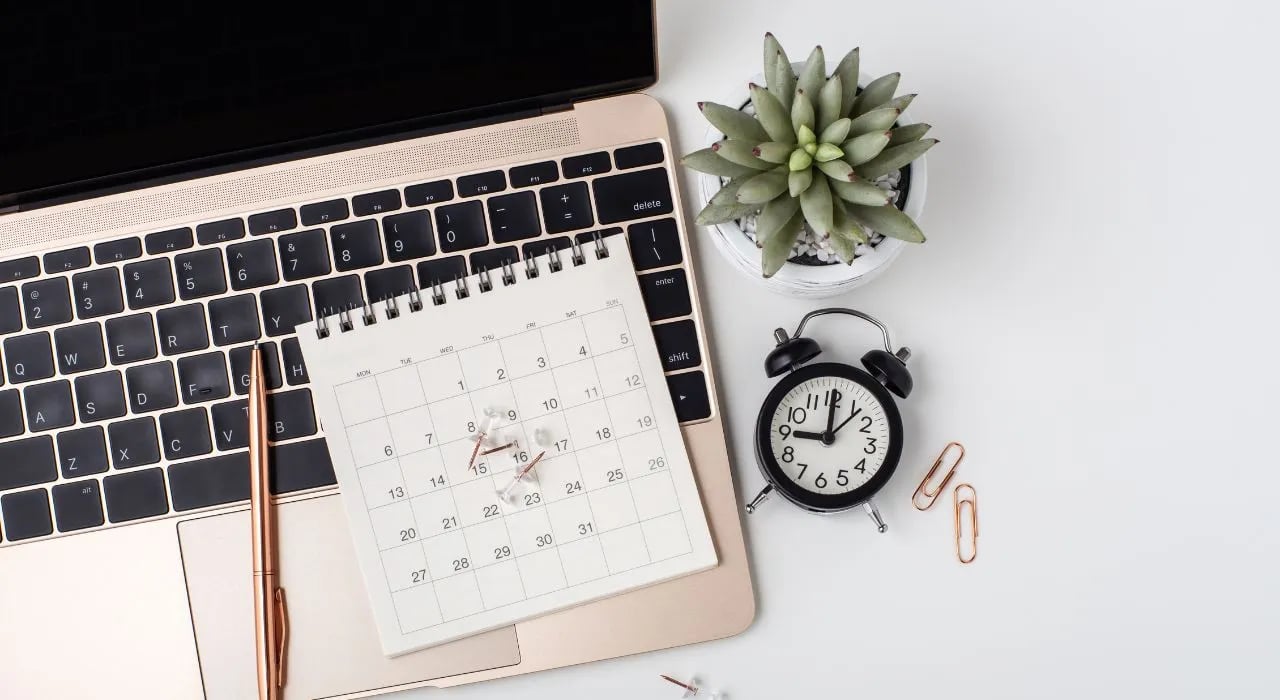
[
  {"x": 759, "y": 499},
  {"x": 872, "y": 511}
]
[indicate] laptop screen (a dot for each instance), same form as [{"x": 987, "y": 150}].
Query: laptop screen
[{"x": 96, "y": 95}]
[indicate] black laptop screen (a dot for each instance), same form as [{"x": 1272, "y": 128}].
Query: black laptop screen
[{"x": 104, "y": 94}]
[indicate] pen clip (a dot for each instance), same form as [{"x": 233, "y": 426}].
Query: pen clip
[{"x": 282, "y": 635}]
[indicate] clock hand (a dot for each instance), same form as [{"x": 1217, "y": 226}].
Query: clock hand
[
  {"x": 806, "y": 435},
  {"x": 852, "y": 415},
  {"x": 831, "y": 414}
]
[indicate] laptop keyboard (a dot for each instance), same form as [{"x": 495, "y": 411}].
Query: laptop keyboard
[{"x": 125, "y": 364}]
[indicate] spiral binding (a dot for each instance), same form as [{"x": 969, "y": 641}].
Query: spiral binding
[{"x": 484, "y": 282}]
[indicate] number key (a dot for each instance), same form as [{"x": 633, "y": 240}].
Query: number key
[
  {"x": 408, "y": 236},
  {"x": 46, "y": 302},
  {"x": 97, "y": 293},
  {"x": 355, "y": 245},
  {"x": 10, "y": 314},
  {"x": 304, "y": 255},
  {"x": 148, "y": 283},
  {"x": 252, "y": 265},
  {"x": 461, "y": 226},
  {"x": 200, "y": 274}
]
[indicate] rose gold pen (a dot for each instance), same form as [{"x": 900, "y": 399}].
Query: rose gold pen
[{"x": 270, "y": 616}]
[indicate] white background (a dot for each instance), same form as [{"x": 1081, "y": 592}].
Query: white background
[{"x": 1094, "y": 316}]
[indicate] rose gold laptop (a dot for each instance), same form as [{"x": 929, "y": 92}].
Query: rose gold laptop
[{"x": 175, "y": 187}]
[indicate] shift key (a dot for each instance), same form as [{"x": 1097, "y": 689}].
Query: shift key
[{"x": 634, "y": 195}]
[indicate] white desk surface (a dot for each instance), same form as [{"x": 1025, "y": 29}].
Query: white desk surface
[{"x": 1093, "y": 316}]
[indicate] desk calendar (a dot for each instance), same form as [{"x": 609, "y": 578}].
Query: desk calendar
[{"x": 509, "y": 453}]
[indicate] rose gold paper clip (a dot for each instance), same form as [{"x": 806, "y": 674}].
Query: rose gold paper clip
[
  {"x": 970, "y": 499},
  {"x": 931, "y": 496}
]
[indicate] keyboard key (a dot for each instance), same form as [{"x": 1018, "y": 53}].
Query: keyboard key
[
  {"x": 689, "y": 395},
  {"x": 135, "y": 495},
  {"x": 299, "y": 466},
  {"x": 11, "y": 413},
  {"x": 461, "y": 226},
  {"x": 338, "y": 294},
  {"x": 231, "y": 425},
  {"x": 252, "y": 265},
  {"x": 200, "y": 274},
  {"x": 79, "y": 348},
  {"x": 21, "y": 269},
  {"x": 636, "y": 156},
  {"x": 482, "y": 183},
  {"x": 82, "y": 452},
  {"x": 273, "y": 222},
  {"x": 285, "y": 308},
  {"x": 543, "y": 173},
  {"x": 26, "y": 514},
  {"x": 78, "y": 505},
  {"x": 28, "y": 358},
  {"x": 131, "y": 339},
  {"x": 678, "y": 345},
  {"x": 182, "y": 329},
  {"x": 408, "y": 236},
  {"x": 376, "y": 202},
  {"x": 634, "y": 195},
  {"x": 443, "y": 271},
  {"x": 654, "y": 244},
  {"x": 97, "y": 293},
  {"x": 666, "y": 294},
  {"x": 117, "y": 251},
  {"x": 134, "y": 443},
  {"x": 355, "y": 245},
  {"x": 10, "y": 313},
  {"x": 27, "y": 462},
  {"x": 49, "y": 406},
  {"x": 389, "y": 282},
  {"x": 185, "y": 434},
  {"x": 587, "y": 164},
  {"x": 493, "y": 259},
  {"x": 203, "y": 378},
  {"x": 67, "y": 260},
  {"x": 234, "y": 320},
  {"x": 151, "y": 387},
  {"x": 566, "y": 207},
  {"x": 100, "y": 396},
  {"x": 295, "y": 368},
  {"x": 220, "y": 231},
  {"x": 270, "y": 367},
  {"x": 46, "y": 302},
  {"x": 514, "y": 217},
  {"x": 428, "y": 193},
  {"x": 324, "y": 212},
  {"x": 304, "y": 255},
  {"x": 290, "y": 415},
  {"x": 148, "y": 283},
  {"x": 168, "y": 241},
  {"x": 210, "y": 482}
]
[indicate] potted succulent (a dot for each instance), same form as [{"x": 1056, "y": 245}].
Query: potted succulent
[{"x": 812, "y": 170}]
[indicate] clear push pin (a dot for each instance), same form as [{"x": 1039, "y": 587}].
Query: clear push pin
[
  {"x": 525, "y": 478},
  {"x": 691, "y": 688},
  {"x": 485, "y": 436}
]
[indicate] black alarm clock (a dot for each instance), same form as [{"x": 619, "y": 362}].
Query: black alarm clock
[{"x": 829, "y": 435}]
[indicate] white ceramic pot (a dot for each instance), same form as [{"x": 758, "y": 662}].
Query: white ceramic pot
[{"x": 808, "y": 281}]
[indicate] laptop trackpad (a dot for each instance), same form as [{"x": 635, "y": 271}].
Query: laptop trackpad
[{"x": 333, "y": 644}]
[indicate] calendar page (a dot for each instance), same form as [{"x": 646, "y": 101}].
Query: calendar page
[{"x": 508, "y": 454}]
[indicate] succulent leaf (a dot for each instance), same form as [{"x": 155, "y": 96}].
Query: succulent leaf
[
  {"x": 828, "y": 152},
  {"x": 722, "y": 213},
  {"x": 876, "y": 93},
  {"x": 729, "y": 193},
  {"x": 848, "y": 72},
  {"x": 829, "y": 102},
  {"x": 800, "y": 160},
  {"x": 740, "y": 152},
  {"x": 901, "y": 102},
  {"x": 805, "y": 136},
  {"x": 802, "y": 113},
  {"x": 785, "y": 75},
  {"x": 777, "y": 249},
  {"x": 892, "y": 159},
  {"x": 774, "y": 216},
  {"x": 733, "y": 123},
  {"x": 815, "y": 202},
  {"x": 710, "y": 162},
  {"x": 814, "y": 72},
  {"x": 837, "y": 131},
  {"x": 858, "y": 191},
  {"x": 763, "y": 187},
  {"x": 875, "y": 120},
  {"x": 908, "y": 133},
  {"x": 798, "y": 181},
  {"x": 773, "y": 54},
  {"x": 774, "y": 152},
  {"x": 843, "y": 247},
  {"x": 886, "y": 220},
  {"x": 836, "y": 169},
  {"x": 861, "y": 149},
  {"x": 846, "y": 227},
  {"x": 773, "y": 117}
]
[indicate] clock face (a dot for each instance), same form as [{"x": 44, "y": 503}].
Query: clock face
[{"x": 830, "y": 435}]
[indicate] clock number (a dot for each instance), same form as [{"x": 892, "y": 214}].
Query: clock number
[
  {"x": 871, "y": 446},
  {"x": 820, "y": 480},
  {"x": 842, "y": 477},
  {"x": 803, "y": 467},
  {"x": 811, "y": 402},
  {"x": 866, "y": 424},
  {"x": 788, "y": 454},
  {"x": 861, "y": 466},
  {"x": 795, "y": 414},
  {"x": 784, "y": 430}
]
